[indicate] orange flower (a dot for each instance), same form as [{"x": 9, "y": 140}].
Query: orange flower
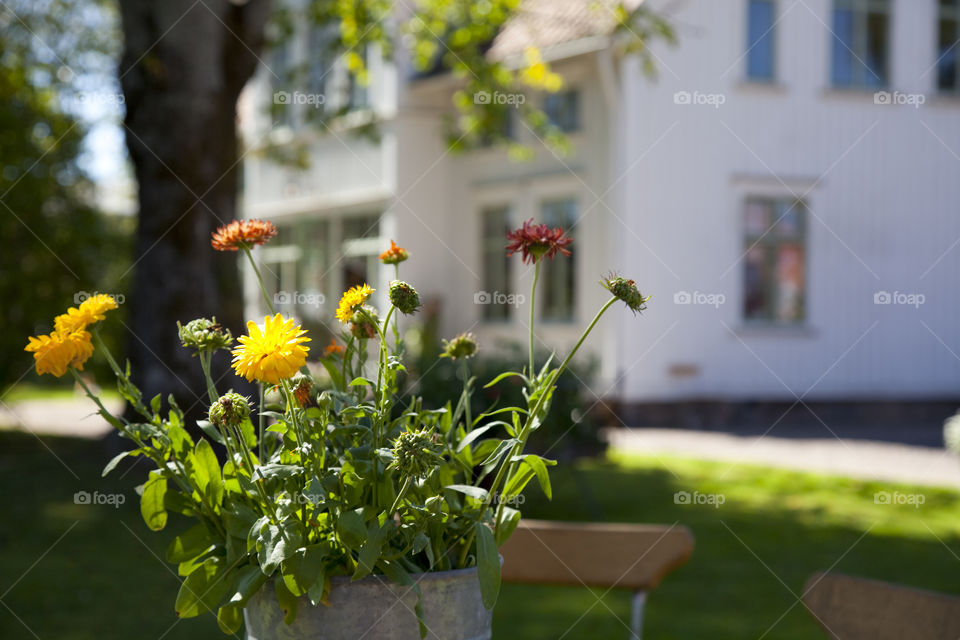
[
  {"x": 334, "y": 349},
  {"x": 394, "y": 255},
  {"x": 242, "y": 234}
]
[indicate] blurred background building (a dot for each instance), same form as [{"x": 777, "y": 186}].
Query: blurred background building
[{"x": 786, "y": 189}]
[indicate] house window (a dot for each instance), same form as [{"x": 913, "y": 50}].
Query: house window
[
  {"x": 295, "y": 270},
  {"x": 360, "y": 248},
  {"x": 761, "y": 17},
  {"x": 861, "y": 43},
  {"x": 775, "y": 267},
  {"x": 281, "y": 107},
  {"x": 359, "y": 91},
  {"x": 563, "y": 110},
  {"x": 497, "y": 284},
  {"x": 557, "y": 290},
  {"x": 948, "y": 40},
  {"x": 320, "y": 61}
]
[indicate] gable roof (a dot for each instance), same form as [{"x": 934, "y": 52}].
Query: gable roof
[{"x": 546, "y": 23}]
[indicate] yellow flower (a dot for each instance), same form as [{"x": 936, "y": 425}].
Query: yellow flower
[
  {"x": 271, "y": 353},
  {"x": 55, "y": 352},
  {"x": 89, "y": 312},
  {"x": 352, "y": 300},
  {"x": 94, "y": 307}
]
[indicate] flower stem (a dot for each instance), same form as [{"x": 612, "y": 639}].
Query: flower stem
[
  {"x": 533, "y": 306},
  {"x": 256, "y": 272}
]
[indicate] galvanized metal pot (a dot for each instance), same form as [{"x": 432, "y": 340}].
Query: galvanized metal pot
[{"x": 373, "y": 608}]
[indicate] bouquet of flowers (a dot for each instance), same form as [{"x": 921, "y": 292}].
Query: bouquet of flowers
[{"x": 332, "y": 475}]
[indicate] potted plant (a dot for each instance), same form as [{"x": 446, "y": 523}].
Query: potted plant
[{"x": 336, "y": 508}]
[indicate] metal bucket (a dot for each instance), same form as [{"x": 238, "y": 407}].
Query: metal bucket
[{"x": 373, "y": 608}]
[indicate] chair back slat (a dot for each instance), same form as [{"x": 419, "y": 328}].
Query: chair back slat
[
  {"x": 626, "y": 556},
  {"x": 851, "y": 608}
]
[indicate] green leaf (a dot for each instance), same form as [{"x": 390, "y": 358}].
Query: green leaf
[
  {"x": 511, "y": 518},
  {"x": 488, "y": 565},
  {"x": 286, "y": 600},
  {"x": 276, "y": 545},
  {"x": 362, "y": 382},
  {"x": 155, "y": 403},
  {"x": 116, "y": 460},
  {"x": 212, "y": 432},
  {"x": 474, "y": 492},
  {"x": 203, "y": 589},
  {"x": 204, "y": 470},
  {"x": 539, "y": 466},
  {"x": 304, "y": 568},
  {"x": 249, "y": 580},
  {"x": 190, "y": 544},
  {"x": 230, "y": 618},
  {"x": 152, "y": 502},
  {"x": 268, "y": 471},
  {"x": 351, "y": 529},
  {"x": 473, "y": 435},
  {"x": 500, "y": 377},
  {"x": 370, "y": 552}
]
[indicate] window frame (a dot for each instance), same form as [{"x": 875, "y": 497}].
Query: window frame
[
  {"x": 860, "y": 70},
  {"x": 494, "y": 247},
  {"x": 769, "y": 240},
  {"x": 770, "y": 33},
  {"x": 573, "y": 94},
  {"x": 545, "y": 275},
  {"x": 948, "y": 13}
]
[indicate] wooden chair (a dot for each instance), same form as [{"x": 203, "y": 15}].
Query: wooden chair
[
  {"x": 625, "y": 556},
  {"x": 850, "y": 608}
]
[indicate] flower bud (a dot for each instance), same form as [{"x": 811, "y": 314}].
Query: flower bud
[
  {"x": 230, "y": 410},
  {"x": 404, "y": 297},
  {"x": 204, "y": 334},
  {"x": 363, "y": 323},
  {"x": 415, "y": 453},
  {"x": 302, "y": 386},
  {"x": 625, "y": 290},
  {"x": 463, "y": 346}
]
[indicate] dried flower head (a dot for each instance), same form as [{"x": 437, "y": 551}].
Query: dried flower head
[
  {"x": 302, "y": 386},
  {"x": 537, "y": 240},
  {"x": 364, "y": 323},
  {"x": 273, "y": 352},
  {"x": 625, "y": 290},
  {"x": 352, "y": 299},
  {"x": 404, "y": 297},
  {"x": 230, "y": 410},
  {"x": 242, "y": 234},
  {"x": 415, "y": 454},
  {"x": 394, "y": 255},
  {"x": 204, "y": 334},
  {"x": 463, "y": 346}
]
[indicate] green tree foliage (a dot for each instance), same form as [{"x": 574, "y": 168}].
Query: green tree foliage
[{"x": 56, "y": 244}]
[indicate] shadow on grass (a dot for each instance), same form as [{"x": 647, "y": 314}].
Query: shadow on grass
[{"x": 87, "y": 571}]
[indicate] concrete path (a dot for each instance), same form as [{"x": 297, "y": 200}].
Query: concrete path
[
  {"x": 71, "y": 417},
  {"x": 854, "y": 458}
]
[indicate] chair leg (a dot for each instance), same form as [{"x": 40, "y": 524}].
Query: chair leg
[{"x": 636, "y": 614}]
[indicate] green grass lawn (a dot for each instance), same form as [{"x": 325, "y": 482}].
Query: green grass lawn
[{"x": 76, "y": 572}]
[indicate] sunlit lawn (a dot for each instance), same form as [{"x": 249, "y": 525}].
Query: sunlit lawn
[{"x": 103, "y": 578}]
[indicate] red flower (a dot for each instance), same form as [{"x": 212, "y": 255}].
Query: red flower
[
  {"x": 242, "y": 233},
  {"x": 537, "y": 240}
]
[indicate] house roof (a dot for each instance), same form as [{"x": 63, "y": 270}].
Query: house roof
[{"x": 546, "y": 23}]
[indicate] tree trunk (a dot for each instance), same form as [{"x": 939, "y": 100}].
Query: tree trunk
[{"x": 184, "y": 65}]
